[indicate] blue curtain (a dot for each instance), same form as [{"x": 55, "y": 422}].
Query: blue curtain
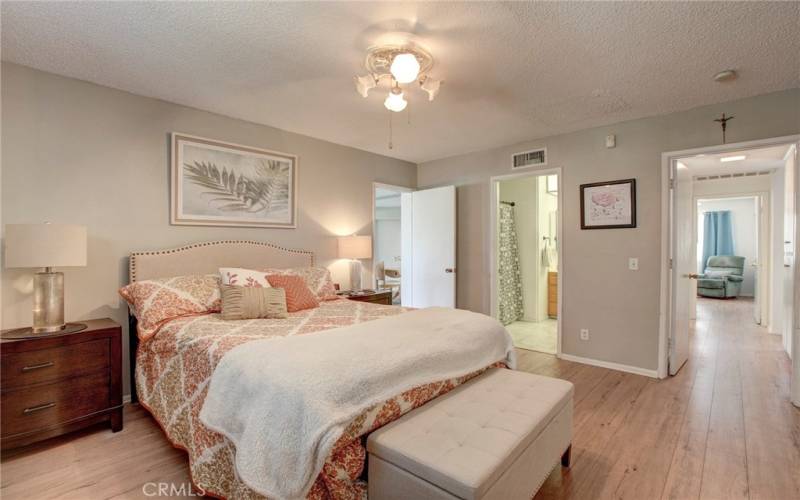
[{"x": 717, "y": 235}]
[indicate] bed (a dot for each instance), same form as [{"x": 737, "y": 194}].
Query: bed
[{"x": 172, "y": 370}]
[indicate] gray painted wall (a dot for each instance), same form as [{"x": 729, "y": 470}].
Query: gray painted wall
[
  {"x": 620, "y": 307},
  {"x": 75, "y": 152}
]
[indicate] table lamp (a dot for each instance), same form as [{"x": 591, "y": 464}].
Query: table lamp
[
  {"x": 46, "y": 246},
  {"x": 355, "y": 248}
]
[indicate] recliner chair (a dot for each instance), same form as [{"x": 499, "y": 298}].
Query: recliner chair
[{"x": 722, "y": 277}]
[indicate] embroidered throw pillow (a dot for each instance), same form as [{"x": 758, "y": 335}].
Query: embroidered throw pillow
[
  {"x": 318, "y": 279},
  {"x": 298, "y": 295},
  {"x": 154, "y": 302},
  {"x": 242, "y": 302},
  {"x": 243, "y": 277}
]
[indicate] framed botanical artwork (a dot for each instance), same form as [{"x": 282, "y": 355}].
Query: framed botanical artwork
[
  {"x": 222, "y": 184},
  {"x": 608, "y": 205}
]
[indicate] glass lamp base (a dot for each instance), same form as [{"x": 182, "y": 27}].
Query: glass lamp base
[
  {"x": 355, "y": 275},
  {"x": 48, "y": 302}
]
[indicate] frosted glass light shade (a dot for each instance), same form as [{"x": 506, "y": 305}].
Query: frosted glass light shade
[
  {"x": 45, "y": 245},
  {"x": 395, "y": 102},
  {"x": 355, "y": 247},
  {"x": 405, "y": 67}
]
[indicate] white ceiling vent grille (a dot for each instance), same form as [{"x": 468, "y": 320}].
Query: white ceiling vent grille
[
  {"x": 731, "y": 176},
  {"x": 533, "y": 158}
]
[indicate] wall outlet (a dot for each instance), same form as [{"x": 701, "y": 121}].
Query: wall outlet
[
  {"x": 633, "y": 264},
  {"x": 584, "y": 334}
]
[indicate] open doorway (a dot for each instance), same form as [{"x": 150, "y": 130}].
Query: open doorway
[
  {"x": 387, "y": 235},
  {"x": 732, "y": 248},
  {"x": 729, "y": 230},
  {"x": 526, "y": 249}
]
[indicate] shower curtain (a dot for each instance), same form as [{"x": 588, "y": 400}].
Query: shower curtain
[
  {"x": 508, "y": 277},
  {"x": 717, "y": 236}
]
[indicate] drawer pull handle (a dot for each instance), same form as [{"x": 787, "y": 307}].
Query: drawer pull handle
[
  {"x": 34, "y": 409},
  {"x": 36, "y": 367}
]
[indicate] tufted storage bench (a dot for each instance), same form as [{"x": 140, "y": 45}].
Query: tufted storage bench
[{"x": 497, "y": 436}]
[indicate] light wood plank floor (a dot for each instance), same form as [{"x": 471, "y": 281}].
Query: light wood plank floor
[{"x": 723, "y": 428}]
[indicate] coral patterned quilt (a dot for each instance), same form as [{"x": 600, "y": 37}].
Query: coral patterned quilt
[{"x": 174, "y": 368}]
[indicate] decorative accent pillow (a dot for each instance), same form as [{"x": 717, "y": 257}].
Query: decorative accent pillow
[
  {"x": 243, "y": 277},
  {"x": 243, "y": 302},
  {"x": 154, "y": 302},
  {"x": 318, "y": 279},
  {"x": 298, "y": 295}
]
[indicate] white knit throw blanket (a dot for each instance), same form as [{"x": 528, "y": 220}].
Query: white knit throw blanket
[{"x": 284, "y": 402}]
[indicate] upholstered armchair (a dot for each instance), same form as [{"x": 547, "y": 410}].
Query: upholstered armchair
[{"x": 722, "y": 277}]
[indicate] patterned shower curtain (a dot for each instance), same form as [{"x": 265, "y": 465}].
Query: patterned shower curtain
[{"x": 508, "y": 277}]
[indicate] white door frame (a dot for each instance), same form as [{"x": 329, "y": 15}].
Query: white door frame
[
  {"x": 493, "y": 207},
  {"x": 667, "y": 246},
  {"x": 392, "y": 187}
]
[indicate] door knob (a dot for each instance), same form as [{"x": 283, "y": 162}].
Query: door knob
[
  {"x": 450, "y": 270},
  {"x": 691, "y": 276}
]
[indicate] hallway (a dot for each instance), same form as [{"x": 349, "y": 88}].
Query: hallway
[{"x": 722, "y": 428}]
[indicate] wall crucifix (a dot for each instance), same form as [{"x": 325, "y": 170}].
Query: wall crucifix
[{"x": 724, "y": 122}]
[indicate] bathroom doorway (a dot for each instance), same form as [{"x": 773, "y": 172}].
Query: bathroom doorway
[{"x": 526, "y": 250}]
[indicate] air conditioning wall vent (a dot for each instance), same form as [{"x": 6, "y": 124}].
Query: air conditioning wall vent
[{"x": 526, "y": 159}]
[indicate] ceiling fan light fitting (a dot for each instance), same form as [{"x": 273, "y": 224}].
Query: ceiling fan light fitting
[
  {"x": 405, "y": 67},
  {"x": 395, "y": 101}
]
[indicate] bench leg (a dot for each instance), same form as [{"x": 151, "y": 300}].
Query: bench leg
[{"x": 565, "y": 458}]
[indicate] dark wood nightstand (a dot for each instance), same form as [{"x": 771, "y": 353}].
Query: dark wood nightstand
[
  {"x": 373, "y": 296},
  {"x": 60, "y": 382}
]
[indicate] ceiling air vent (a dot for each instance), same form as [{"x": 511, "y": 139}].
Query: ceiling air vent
[
  {"x": 731, "y": 176},
  {"x": 534, "y": 158}
]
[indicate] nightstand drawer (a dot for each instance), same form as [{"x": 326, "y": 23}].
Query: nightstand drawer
[
  {"x": 44, "y": 406},
  {"x": 21, "y": 369}
]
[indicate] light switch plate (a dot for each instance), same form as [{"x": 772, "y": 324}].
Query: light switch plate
[
  {"x": 633, "y": 263},
  {"x": 611, "y": 141}
]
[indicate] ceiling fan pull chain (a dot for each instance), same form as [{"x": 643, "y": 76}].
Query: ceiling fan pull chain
[{"x": 390, "y": 130}]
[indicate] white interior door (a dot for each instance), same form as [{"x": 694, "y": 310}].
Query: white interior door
[
  {"x": 684, "y": 267},
  {"x": 428, "y": 224},
  {"x": 757, "y": 263},
  {"x": 789, "y": 232}
]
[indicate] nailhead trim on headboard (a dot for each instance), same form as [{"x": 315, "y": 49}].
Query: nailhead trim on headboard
[{"x": 132, "y": 263}]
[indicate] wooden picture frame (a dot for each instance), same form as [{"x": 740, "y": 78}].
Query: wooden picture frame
[
  {"x": 218, "y": 183},
  {"x": 608, "y": 205}
]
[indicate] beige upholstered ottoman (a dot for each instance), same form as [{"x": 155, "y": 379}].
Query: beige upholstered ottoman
[{"x": 496, "y": 437}]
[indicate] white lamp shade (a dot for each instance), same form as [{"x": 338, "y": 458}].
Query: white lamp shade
[
  {"x": 45, "y": 245},
  {"x": 404, "y": 68},
  {"x": 355, "y": 247},
  {"x": 395, "y": 102}
]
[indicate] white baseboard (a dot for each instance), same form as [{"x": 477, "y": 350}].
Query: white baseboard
[
  {"x": 126, "y": 399},
  {"x": 612, "y": 366}
]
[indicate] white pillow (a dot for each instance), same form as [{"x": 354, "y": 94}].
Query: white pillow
[{"x": 238, "y": 276}]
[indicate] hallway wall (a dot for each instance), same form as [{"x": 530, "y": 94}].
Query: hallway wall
[{"x": 619, "y": 306}]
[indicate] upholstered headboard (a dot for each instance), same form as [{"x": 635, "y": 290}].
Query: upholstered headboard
[
  {"x": 205, "y": 258},
  {"x": 208, "y": 257}
]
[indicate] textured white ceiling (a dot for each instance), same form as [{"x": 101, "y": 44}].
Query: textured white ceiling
[{"x": 513, "y": 71}]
